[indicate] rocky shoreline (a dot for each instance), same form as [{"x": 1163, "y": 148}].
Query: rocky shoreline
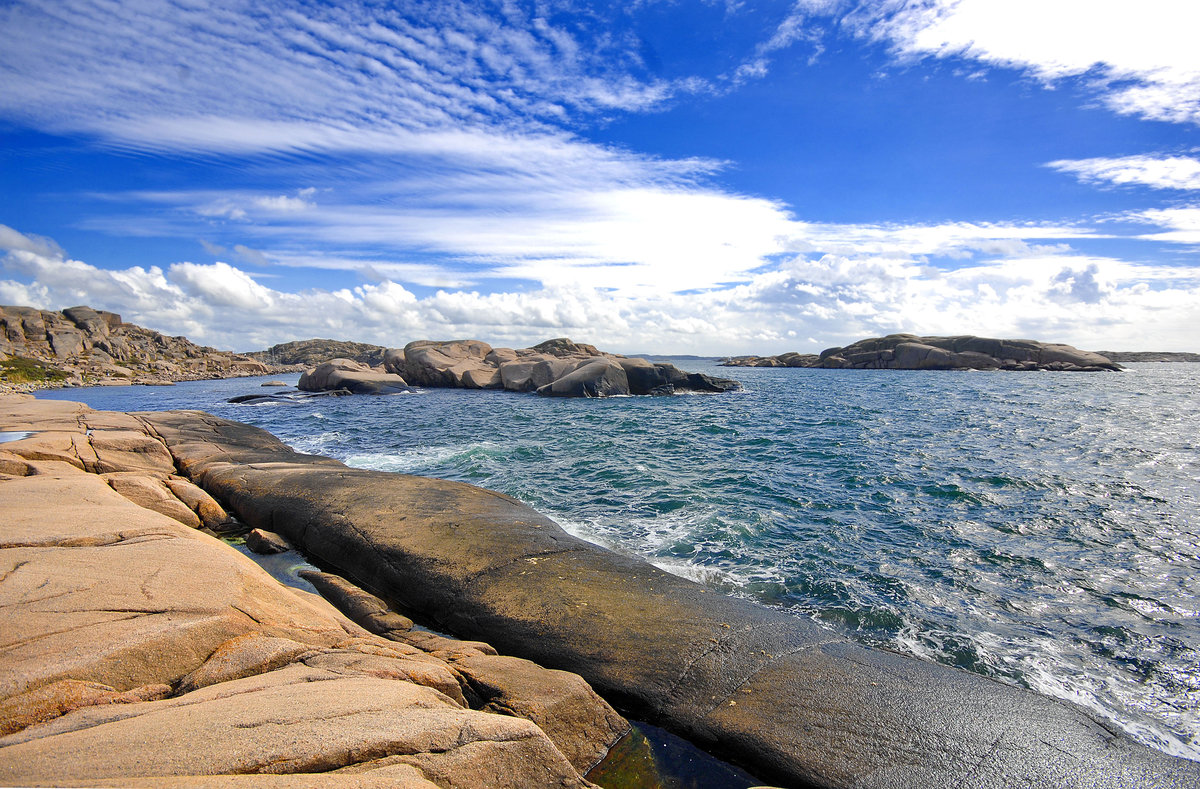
[
  {"x": 137, "y": 640},
  {"x": 79, "y": 346},
  {"x": 140, "y": 650}
]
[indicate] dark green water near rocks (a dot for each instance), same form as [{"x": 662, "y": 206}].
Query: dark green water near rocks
[{"x": 1038, "y": 528}]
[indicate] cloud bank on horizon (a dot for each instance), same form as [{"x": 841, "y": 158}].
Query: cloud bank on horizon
[{"x": 678, "y": 177}]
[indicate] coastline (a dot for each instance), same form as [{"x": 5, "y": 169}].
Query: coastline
[
  {"x": 791, "y": 702},
  {"x": 141, "y": 649}
]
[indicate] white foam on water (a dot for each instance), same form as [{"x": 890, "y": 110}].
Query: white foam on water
[
  {"x": 1046, "y": 670},
  {"x": 419, "y": 458}
]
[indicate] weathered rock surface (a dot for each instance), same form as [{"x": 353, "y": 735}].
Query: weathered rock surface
[
  {"x": 138, "y": 651},
  {"x": 910, "y": 352},
  {"x": 558, "y": 368},
  {"x": 792, "y": 702},
  {"x": 81, "y": 345},
  {"x": 352, "y": 376}
]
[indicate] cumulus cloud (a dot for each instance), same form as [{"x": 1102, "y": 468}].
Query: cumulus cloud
[
  {"x": 1142, "y": 58},
  {"x": 1158, "y": 172},
  {"x": 827, "y": 299}
]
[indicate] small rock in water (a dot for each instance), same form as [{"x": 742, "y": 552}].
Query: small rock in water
[
  {"x": 263, "y": 541},
  {"x": 273, "y": 383}
]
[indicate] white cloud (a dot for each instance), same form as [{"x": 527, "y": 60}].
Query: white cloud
[
  {"x": 1141, "y": 56},
  {"x": 1090, "y": 302},
  {"x": 1158, "y": 172},
  {"x": 178, "y": 74},
  {"x": 1182, "y": 224}
]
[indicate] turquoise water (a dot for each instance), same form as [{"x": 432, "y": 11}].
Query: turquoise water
[{"x": 1038, "y": 528}]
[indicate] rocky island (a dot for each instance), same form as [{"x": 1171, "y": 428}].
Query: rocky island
[
  {"x": 140, "y": 650},
  {"x": 554, "y": 368},
  {"x": 966, "y": 352}
]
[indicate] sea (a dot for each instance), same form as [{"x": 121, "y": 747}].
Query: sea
[{"x": 1038, "y": 528}]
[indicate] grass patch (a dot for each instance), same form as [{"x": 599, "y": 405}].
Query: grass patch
[{"x": 19, "y": 370}]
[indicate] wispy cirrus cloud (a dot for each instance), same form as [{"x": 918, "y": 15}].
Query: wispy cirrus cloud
[
  {"x": 317, "y": 73},
  {"x": 1157, "y": 172}
]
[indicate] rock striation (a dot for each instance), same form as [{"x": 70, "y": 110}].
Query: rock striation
[
  {"x": 966, "y": 352},
  {"x": 80, "y": 345},
  {"x": 138, "y": 650},
  {"x": 555, "y": 368},
  {"x": 790, "y": 701}
]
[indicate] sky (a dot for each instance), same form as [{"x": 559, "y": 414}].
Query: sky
[{"x": 712, "y": 177}]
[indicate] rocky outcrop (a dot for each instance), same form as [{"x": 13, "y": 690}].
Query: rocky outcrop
[
  {"x": 137, "y": 650},
  {"x": 790, "y": 701},
  {"x": 910, "y": 352},
  {"x": 354, "y": 377},
  {"x": 557, "y": 368},
  {"x": 80, "y": 345},
  {"x": 1121, "y": 357},
  {"x": 302, "y": 354},
  {"x": 791, "y": 359}
]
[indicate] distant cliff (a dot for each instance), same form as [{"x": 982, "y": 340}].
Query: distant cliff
[
  {"x": 1150, "y": 356},
  {"x": 310, "y": 353},
  {"x": 910, "y": 352},
  {"x": 81, "y": 345}
]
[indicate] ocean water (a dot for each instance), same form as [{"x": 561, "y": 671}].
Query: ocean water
[{"x": 1042, "y": 529}]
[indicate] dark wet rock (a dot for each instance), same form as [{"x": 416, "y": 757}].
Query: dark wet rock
[
  {"x": 288, "y": 397},
  {"x": 792, "y": 702}
]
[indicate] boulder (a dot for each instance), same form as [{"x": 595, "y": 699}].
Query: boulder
[
  {"x": 89, "y": 321},
  {"x": 362, "y": 607},
  {"x": 264, "y": 541},
  {"x": 599, "y": 377},
  {"x": 454, "y": 363},
  {"x": 352, "y": 376},
  {"x": 530, "y": 373},
  {"x": 579, "y": 722}
]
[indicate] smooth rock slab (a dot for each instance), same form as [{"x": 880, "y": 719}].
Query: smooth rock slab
[
  {"x": 294, "y": 720},
  {"x": 789, "y": 701}
]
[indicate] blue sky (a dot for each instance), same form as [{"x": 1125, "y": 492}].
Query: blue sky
[{"x": 688, "y": 177}]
